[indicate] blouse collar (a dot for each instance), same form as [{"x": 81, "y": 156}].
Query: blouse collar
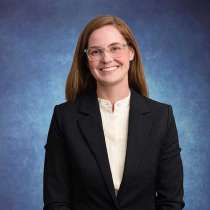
[{"x": 106, "y": 104}]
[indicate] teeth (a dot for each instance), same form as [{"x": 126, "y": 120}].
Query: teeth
[{"x": 109, "y": 68}]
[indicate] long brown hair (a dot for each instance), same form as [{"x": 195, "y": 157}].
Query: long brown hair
[{"x": 80, "y": 80}]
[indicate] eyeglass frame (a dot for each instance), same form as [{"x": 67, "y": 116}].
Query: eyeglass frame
[{"x": 123, "y": 45}]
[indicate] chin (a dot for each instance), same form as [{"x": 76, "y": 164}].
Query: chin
[{"x": 109, "y": 82}]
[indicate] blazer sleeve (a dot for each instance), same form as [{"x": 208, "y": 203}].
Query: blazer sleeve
[
  {"x": 56, "y": 192},
  {"x": 169, "y": 184}
]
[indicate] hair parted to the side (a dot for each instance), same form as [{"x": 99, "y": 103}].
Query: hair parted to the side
[{"x": 80, "y": 80}]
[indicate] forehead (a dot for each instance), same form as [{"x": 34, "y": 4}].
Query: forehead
[{"x": 105, "y": 36}]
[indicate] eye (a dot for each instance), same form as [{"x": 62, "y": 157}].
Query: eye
[
  {"x": 115, "y": 49},
  {"x": 94, "y": 52}
]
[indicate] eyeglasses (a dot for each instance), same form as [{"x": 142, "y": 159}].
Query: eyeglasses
[{"x": 96, "y": 53}]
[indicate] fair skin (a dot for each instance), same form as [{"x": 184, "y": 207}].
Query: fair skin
[{"x": 111, "y": 74}]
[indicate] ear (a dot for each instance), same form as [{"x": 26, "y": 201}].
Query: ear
[{"x": 131, "y": 53}]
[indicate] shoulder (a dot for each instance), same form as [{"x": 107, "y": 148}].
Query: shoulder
[
  {"x": 69, "y": 110},
  {"x": 64, "y": 114},
  {"x": 156, "y": 105},
  {"x": 147, "y": 103},
  {"x": 66, "y": 108},
  {"x": 157, "y": 110},
  {"x": 160, "y": 112}
]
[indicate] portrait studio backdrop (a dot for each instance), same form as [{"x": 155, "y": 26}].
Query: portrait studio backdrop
[{"x": 37, "y": 41}]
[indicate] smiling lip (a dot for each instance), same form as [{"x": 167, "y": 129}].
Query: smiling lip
[{"x": 111, "y": 68}]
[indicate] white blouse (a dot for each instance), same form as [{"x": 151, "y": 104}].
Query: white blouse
[{"x": 115, "y": 126}]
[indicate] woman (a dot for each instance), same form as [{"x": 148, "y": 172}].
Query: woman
[{"x": 110, "y": 146}]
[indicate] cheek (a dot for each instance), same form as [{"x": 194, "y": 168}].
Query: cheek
[
  {"x": 126, "y": 57},
  {"x": 94, "y": 64},
  {"x": 92, "y": 68},
  {"x": 125, "y": 61}
]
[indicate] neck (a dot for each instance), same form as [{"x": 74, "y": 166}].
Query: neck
[{"x": 113, "y": 94}]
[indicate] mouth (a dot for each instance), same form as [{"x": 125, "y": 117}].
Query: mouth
[{"x": 110, "y": 68}]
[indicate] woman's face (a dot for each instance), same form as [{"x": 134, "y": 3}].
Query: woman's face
[{"x": 111, "y": 56}]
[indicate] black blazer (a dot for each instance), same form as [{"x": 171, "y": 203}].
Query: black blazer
[{"x": 77, "y": 173}]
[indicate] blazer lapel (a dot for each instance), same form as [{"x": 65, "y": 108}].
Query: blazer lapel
[
  {"x": 90, "y": 124},
  {"x": 140, "y": 123}
]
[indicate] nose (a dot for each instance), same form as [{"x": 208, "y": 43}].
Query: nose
[{"x": 107, "y": 57}]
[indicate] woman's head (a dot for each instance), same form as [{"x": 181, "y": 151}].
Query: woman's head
[{"x": 105, "y": 44}]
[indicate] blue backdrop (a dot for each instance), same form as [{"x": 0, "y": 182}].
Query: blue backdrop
[{"x": 37, "y": 41}]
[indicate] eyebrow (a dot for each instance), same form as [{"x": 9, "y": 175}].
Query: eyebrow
[{"x": 114, "y": 43}]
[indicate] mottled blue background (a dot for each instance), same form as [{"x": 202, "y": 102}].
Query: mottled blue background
[{"x": 37, "y": 41}]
